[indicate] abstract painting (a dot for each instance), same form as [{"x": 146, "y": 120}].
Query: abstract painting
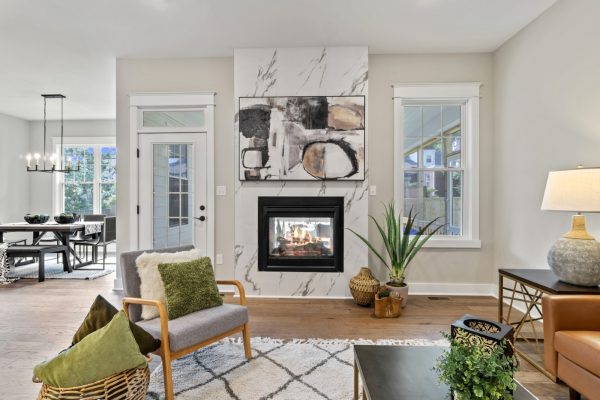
[{"x": 302, "y": 138}]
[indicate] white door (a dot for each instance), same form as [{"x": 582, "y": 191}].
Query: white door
[{"x": 172, "y": 190}]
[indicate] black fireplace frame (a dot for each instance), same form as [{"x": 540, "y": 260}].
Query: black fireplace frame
[{"x": 331, "y": 207}]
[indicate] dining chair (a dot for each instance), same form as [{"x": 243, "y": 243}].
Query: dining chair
[
  {"x": 106, "y": 236},
  {"x": 185, "y": 334}
]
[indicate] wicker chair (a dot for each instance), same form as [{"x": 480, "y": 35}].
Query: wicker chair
[{"x": 186, "y": 334}]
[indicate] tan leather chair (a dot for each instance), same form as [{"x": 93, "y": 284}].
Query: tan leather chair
[{"x": 572, "y": 342}]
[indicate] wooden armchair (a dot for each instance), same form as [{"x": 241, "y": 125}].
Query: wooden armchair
[{"x": 186, "y": 334}]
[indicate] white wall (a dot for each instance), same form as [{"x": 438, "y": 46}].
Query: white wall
[
  {"x": 181, "y": 75},
  {"x": 216, "y": 74},
  {"x": 14, "y": 186},
  {"x": 446, "y": 266},
  {"x": 547, "y": 100},
  {"x": 40, "y": 185}
]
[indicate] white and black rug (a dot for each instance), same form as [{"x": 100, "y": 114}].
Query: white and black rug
[
  {"x": 54, "y": 270},
  {"x": 314, "y": 369}
]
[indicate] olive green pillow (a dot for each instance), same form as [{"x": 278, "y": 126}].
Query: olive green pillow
[
  {"x": 100, "y": 354},
  {"x": 101, "y": 313},
  {"x": 189, "y": 286}
]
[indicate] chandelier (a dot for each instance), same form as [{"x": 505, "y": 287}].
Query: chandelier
[{"x": 51, "y": 162}]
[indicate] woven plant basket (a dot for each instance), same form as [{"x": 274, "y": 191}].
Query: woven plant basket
[
  {"x": 363, "y": 287},
  {"x": 127, "y": 385}
]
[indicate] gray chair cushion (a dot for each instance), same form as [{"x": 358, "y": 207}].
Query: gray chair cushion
[
  {"x": 197, "y": 327},
  {"x": 131, "y": 279}
]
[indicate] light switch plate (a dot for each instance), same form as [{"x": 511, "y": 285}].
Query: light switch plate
[
  {"x": 221, "y": 190},
  {"x": 372, "y": 190},
  {"x": 219, "y": 259}
]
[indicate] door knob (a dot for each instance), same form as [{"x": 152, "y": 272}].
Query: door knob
[{"x": 201, "y": 218}]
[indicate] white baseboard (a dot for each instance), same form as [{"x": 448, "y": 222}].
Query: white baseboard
[
  {"x": 118, "y": 285},
  {"x": 259, "y": 296},
  {"x": 451, "y": 289},
  {"x": 429, "y": 289}
]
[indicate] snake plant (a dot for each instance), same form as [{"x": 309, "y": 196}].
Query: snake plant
[{"x": 401, "y": 242}]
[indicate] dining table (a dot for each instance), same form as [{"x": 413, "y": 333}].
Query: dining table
[{"x": 62, "y": 232}]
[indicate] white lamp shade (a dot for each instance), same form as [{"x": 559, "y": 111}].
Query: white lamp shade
[{"x": 575, "y": 190}]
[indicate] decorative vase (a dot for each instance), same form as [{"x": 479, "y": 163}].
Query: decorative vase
[
  {"x": 401, "y": 291},
  {"x": 363, "y": 287},
  {"x": 576, "y": 261}
]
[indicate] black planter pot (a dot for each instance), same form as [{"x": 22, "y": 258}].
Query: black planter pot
[{"x": 482, "y": 331}]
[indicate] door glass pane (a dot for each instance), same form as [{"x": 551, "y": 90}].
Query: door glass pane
[
  {"x": 173, "y": 119},
  {"x": 172, "y": 198}
]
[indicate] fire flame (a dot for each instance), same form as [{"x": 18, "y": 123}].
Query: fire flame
[{"x": 301, "y": 235}]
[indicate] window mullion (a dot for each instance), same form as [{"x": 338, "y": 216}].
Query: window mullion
[{"x": 96, "y": 180}]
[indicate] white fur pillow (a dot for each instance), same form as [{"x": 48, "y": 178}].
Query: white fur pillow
[{"x": 151, "y": 286}]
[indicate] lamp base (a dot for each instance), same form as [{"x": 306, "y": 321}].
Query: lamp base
[{"x": 576, "y": 261}]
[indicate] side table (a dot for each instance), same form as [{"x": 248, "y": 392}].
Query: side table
[{"x": 529, "y": 285}]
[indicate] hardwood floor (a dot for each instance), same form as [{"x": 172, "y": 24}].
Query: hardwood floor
[{"x": 39, "y": 319}]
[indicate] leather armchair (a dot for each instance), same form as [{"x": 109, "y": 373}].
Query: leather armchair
[{"x": 572, "y": 342}]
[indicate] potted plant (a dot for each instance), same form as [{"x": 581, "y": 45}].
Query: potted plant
[
  {"x": 402, "y": 242},
  {"x": 476, "y": 371}
]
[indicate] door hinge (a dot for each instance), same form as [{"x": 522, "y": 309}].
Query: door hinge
[
  {"x": 138, "y": 209},
  {"x": 138, "y": 153}
]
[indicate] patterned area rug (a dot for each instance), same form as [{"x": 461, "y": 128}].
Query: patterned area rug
[
  {"x": 55, "y": 271},
  {"x": 314, "y": 369}
]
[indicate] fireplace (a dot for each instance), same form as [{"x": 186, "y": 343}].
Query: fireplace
[{"x": 302, "y": 234}]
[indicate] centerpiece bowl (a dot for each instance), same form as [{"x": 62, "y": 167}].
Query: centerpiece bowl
[
  {"x": 36, "y": 218},
  {"x": 66, "y": 218}
]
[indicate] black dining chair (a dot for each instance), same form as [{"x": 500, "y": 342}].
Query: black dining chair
[{"x": 106, "y": 236}]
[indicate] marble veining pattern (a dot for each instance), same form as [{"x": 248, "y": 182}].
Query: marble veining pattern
[{"x": 320, "y": 71}]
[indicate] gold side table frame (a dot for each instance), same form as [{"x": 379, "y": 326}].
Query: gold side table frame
[{"x": 531, "y": 297}]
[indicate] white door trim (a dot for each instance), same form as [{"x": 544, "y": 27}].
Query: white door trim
[{"x": 141, "y": 101}]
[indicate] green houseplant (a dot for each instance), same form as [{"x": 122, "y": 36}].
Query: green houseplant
[
  {"x": 475, "y": 371},
  {"x": 402, "y": 242}
]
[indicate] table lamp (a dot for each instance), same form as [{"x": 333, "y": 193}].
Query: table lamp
[{"x": 575, "y": 258}]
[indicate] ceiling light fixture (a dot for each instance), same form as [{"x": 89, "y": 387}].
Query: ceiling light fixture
[{"x": 55, "y": 162}]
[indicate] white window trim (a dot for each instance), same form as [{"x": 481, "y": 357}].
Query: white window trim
[
  {"x": 467, "y": 93},
  {"x": 58, "y": 178}
]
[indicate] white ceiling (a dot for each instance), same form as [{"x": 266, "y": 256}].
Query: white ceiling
[{"x": 70, "y": 46}]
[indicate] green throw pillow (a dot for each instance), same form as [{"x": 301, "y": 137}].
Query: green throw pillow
[
  {"x": 189, "y": 286},
  {"x": 101, "y": 313},
  {"x": 102, "y": 353}
]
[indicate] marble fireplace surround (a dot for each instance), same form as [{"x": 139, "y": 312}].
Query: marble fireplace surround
[{"x": 310, "y": 71}]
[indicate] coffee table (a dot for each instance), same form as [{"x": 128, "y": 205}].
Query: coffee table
[{"x": 404, "y": 372}]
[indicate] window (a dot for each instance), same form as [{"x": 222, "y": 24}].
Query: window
[
  {"x": 92, "y": 189},
  {"x": 436, "y": 134}
]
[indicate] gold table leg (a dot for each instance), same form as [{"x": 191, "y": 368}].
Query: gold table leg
[
  {"x": 532, "y": 301},
  {"x": 355, "y": 381}
]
